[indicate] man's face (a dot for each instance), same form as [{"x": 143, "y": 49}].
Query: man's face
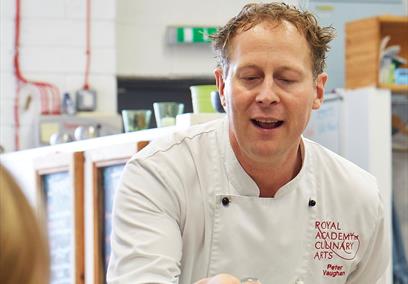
[{"x": 269, "y": 90}]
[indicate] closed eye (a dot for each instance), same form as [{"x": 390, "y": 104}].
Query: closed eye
[
  {"x": 250, "y": 78},
  {"x": 286, "y": 81}
]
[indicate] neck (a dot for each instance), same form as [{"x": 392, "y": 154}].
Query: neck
[{"x": 277, "y": 172}]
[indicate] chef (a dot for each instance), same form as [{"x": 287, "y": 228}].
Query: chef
[{"x": 247, "y": 197}]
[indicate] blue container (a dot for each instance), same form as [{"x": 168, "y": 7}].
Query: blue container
[{"x": 401, "y": 76}]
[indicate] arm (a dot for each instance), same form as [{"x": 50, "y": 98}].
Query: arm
[
  {"x": 377, "y": 256},
  {"x": 146, "y": 239}
]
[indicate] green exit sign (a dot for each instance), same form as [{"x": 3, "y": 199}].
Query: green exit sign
[{"x": 180, "y": 35}]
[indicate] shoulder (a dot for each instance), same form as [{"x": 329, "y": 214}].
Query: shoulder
[
  {"x": 168, "y": 168},
  {"x": 180, "y": 141},
  {"x": 336, "y": 165},
  {"x": 181, "y": 151},
  {"x": 342, "y": 180}
]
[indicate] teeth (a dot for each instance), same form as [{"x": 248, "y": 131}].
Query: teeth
[
  {"x": 266, "y": 120},
  {"x": 267, "y": 123}
]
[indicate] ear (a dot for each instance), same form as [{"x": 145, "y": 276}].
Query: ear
[
  {"x": 219, "y": 81},
  {"x": 319, "y": 91}
]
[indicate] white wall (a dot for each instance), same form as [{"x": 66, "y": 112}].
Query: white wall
[
  {"x": 141, "y": 26},
  {"x": 128, "y": 39},
  {"x": 141, "y": 36},
  {"x": 53, "y": 50}
]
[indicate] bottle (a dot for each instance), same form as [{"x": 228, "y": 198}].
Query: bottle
[{"x": 68, "y": 106}]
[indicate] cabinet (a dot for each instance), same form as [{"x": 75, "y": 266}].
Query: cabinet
[
  {"x": 68, "y": 181},
  {"x": 363, "y": 38}
]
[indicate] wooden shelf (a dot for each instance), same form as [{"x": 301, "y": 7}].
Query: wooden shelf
[
  {"x": 395, "y": 88},
  {"x": 363, "y": 38},
  {"x": 392, "y": 19}
]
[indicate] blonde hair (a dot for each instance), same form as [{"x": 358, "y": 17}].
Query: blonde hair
[
  {"x": 252, "y": 14},
  {"x": 23, "y": 247}
]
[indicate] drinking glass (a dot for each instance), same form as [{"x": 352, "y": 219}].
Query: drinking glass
[
  {"x": 136, "y": 119},
  {"x": 166, "y": 112}
]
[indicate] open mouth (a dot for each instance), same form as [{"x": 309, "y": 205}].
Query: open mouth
[{"x": 267, "y": 124}]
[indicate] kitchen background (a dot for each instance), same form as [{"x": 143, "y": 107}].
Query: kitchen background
[
  {"x": 132, "y": 62},
  {"x": 127, "y": 40}
]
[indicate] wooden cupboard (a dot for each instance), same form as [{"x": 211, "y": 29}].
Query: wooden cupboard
[{"x": 362, "y": 50}]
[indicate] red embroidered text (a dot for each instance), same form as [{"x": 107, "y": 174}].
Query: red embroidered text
[
  {"x": 332, "y": 241},
  {"x": 333, "y": 270}
]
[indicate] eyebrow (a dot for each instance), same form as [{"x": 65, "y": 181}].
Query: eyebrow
[
  {"x": 250, "y": 66},
  {"x": 290, "y": 69},
  {"x": 279, "y": 69}
]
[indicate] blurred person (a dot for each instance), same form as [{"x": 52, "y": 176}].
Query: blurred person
[
  {"x": 24, "y": 255},
  {"x": 248, "y": 196}
]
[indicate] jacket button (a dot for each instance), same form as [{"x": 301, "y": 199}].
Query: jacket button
[
  {"x": 312, "y": 203},
  {"x": 225, "y": 201}
]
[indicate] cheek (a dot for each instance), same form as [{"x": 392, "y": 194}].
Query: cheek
[
  {"x": 230, "y": 100},
  {"x": 227, "y": 103},
  {"x": 300, "y": 111},
  {"x": 226, "y": 98},
  {"x": 237, "y": 105},
  {"x": 306, "y": 117}
]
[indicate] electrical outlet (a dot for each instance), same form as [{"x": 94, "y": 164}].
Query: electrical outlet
[{"x": 85, "y": 100}]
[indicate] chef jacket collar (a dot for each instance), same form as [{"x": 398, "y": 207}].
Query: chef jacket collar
[{"x": 241, "y": 182}]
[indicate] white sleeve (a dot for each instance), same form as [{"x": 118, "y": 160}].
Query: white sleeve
[
  {"x": 377, "y": 255},
  {"x": 146, "y": 238}
]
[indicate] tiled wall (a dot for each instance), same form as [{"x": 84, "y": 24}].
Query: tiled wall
[{"x": 53, "y": 50}]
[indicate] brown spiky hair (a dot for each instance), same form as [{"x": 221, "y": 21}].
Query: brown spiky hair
[{"x": 317, "y": 37}]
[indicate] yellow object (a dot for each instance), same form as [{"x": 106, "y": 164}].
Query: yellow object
[
  {"x": 325, "y": 8},
  {"x": 201, "y": 98},
  {"x": 46, "y": 130}
]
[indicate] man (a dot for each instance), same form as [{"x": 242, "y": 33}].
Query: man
[{"x": 248, "y": 196}]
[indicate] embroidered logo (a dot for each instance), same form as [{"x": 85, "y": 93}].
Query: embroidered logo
[
  {"x": 331, "y": 242},
  {"x": 334, "y": 270}
]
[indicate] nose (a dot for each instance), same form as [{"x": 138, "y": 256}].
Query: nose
[{"x": 267, "y": 95}]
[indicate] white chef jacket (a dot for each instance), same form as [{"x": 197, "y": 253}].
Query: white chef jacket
[{"x": 185, "y": 210}]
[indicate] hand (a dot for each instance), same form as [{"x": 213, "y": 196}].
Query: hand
[{"x": 220, "y": 279}]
